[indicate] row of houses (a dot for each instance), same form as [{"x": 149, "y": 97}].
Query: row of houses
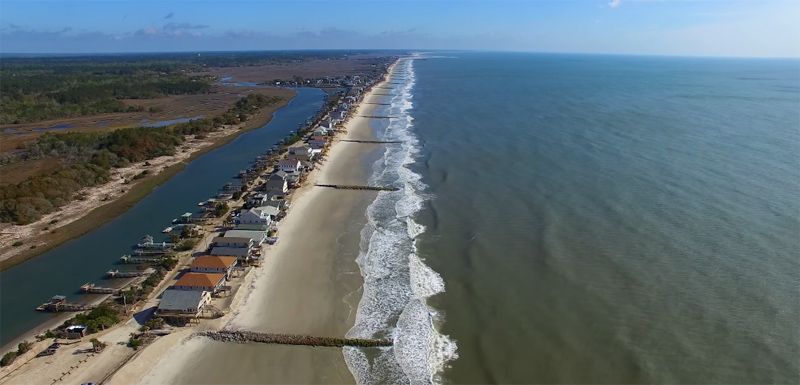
[{"x": 207, "y": 275}]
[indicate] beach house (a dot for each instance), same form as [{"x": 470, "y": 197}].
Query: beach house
[
  {"x": 200, "y": 282},
  {"x": 257, "y": 236},
  {"x": 232, "y": 242},
  {"x": 317, "y": 142},
  {"x": 241, "y": 253},
  {"x": 289, "y": 165},
  {"x": 276, "y": 183},
  {"x": 183, "y": 302},
  {"x": 302, "y": 154},
  {"x": 214, "y": 264},
  {"x": 254, "y": 216}
]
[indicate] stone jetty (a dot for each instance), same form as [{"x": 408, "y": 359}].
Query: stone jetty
[{"x": 290, "y": 339}]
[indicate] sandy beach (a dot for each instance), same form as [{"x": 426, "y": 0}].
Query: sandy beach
[{"x": 309, "y": 283}]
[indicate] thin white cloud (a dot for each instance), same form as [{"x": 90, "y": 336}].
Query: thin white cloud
[{"x": 614, "y": 4}]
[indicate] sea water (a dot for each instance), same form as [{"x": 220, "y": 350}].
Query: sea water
[{"x": 585, "y": 219}]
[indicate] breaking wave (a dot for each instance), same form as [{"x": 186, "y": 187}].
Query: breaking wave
[{"x": 396, "y": 281}]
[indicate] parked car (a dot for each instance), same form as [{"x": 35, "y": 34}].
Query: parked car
[{"x": 48, "y": 352}]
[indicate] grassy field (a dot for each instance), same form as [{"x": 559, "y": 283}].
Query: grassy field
[{"x": 102, "y": 214}]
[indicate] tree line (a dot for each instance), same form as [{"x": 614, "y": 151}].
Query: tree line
[{"x": 89, "y": 157}]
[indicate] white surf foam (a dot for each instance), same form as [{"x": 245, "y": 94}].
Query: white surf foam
[{"x": 396, "y": 281}]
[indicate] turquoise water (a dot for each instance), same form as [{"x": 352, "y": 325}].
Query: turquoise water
[
  {"x": 586, "y": 219},
  {"x": 86, "y": 259}
]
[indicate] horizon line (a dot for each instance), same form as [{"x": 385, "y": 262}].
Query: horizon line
[{"x": 89, "y": 54}]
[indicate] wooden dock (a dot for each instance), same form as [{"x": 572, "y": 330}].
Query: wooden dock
[
  {"x": 59, "y": 303},
  {"x": 126, "y": 274},
  {"x": 357, "y": 187},
  {"x": 149, "y": 252},
  {"x": 132, "y": 259},
  {"x": 93, "y": 289}
]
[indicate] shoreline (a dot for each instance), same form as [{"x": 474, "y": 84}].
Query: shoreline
[
  {"x": 112, "y": 208},
  {"x": 307, "y": 284}
]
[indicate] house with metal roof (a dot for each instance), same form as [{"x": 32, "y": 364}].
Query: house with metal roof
[{"x": 183, "y": 302}]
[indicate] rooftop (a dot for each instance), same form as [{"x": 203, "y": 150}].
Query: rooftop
[
  {"x": 200, "y": 279},
  {"x": 230, "y": 240},
  {"x": 174, "y": 300},
  {"x": 288, "y": 162},
  {"x": 215, "y": 262}
]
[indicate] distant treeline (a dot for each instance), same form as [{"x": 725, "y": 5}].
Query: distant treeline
[
  {"x": 29, "y": 95},
  {"x": 91, "y": 156},
  {"x": 41, "y": 88}
]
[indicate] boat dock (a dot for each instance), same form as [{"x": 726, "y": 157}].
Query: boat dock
[
  {"x": 93, "y": 289},
  {"x": 132, "y": 259},
  {"x": 59, "y": 303},
  {"x": 126, "y": 274}
]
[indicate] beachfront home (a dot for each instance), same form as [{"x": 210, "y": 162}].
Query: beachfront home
[
  {"x": 214, "y": 264},
  {"x": 241, "y": 253},
  {"x": 289, "y": 165},
  {"x": 318, "y": 142},
  {"x": 276, "y": 182},
  {"x": 183, "y": 302},
  {"x": 257, "y": 199},
  {"x": 254, "y": 216},
  {"x": 232, "y": 242},
  {"x": 200, "y": 282},
  {"x": 258, "y": 236},
  {"x": 301, "y": 153},
  {"x": 253, "y": 227}
]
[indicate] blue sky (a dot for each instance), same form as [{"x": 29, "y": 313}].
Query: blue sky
[{"x": 666, "y": 27}]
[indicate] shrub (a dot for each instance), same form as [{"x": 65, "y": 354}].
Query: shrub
[
  {"x": 54, "y": 221},
  {"x": 17, "y": 243},
  {"x": 24, "y": 347},
  {"x": 32, "y": 247},
  {"x": 8, "y": 358}
]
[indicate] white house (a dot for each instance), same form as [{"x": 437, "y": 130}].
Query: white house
[
  {"x": 289, "y": 165},
  {"x": 232, "y": 242},
  {"x": 304, "y": 153},
  {"x": 257, "y": 236},
  {"x": 253, "y": 217}
]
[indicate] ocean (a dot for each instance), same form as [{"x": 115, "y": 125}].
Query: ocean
[{"x": 585, "y": 219}]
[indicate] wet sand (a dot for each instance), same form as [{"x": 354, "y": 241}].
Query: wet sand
[{"x": 309, "y": 283}]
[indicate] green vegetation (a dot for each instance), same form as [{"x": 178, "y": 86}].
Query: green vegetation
[
  {"x": 17, "y": 243},
  {"x": 96, "y": 320},
  {"x": 8, "y": 358},
  {"x": 91, "y": 156},
  {"x": 221, "y": 208},
  {"x": 134, "y": 342},
  {"x": 34, "y": 90},
  {"x": 24, "y": 347}
]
